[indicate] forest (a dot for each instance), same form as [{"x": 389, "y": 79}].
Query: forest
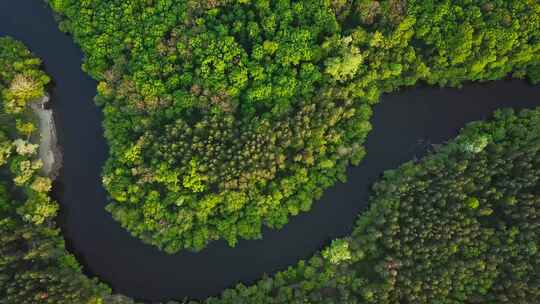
[
  {"x": 226, "y": 116},
  {"x": 458, "y": 226},
  {"x": 34, "y": 265}
]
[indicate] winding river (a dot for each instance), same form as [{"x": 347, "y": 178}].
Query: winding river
[{"x": 405, "y": 124}]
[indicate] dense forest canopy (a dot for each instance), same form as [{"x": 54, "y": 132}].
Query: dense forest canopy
[
  {"x": 459, "y": 226},
  {"x": 34, "y": 265},
  {"x": 223, "y": 116}
]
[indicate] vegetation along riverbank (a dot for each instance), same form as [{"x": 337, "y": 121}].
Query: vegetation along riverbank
[
  {"x": 224, "y": 116},
  {"x": 458, "y": 226},
  {"x": 227, "y": 116},
  {"x": 34, "y": 265}
]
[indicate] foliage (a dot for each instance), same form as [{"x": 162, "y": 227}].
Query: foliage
[
  {"x": 34, "y": 264},
  {"x": 337, "y": 252},
  {"x": 223, "y": 116},
  {"x": 458, "y": 226},
  {"x": 21, "y": 80}
]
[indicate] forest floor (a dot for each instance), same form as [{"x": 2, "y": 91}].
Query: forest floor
[{"x": 49, "y": 151}]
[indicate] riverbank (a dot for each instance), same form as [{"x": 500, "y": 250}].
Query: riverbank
[
  {"x": 403, "y": 125},
  {"x": 49, "y": 151}
]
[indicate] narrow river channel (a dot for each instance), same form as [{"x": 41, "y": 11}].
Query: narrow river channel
[{"x": 405, "y": 124}]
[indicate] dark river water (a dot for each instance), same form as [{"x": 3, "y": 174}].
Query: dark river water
[{"x": 404, "y": 125}]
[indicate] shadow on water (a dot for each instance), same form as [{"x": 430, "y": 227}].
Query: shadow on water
[{"x": 404, "y": 125}]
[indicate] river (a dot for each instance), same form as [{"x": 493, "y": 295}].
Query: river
[{"x": 404, "y": 124}]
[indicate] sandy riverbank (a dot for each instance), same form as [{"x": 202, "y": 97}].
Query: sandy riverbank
[{"x": 49, "y": 151}]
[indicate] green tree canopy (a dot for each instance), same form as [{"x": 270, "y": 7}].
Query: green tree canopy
[{"x": 223, "y": 116}]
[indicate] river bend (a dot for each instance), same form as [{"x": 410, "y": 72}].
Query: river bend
[{"x": 404, "y": 126}]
